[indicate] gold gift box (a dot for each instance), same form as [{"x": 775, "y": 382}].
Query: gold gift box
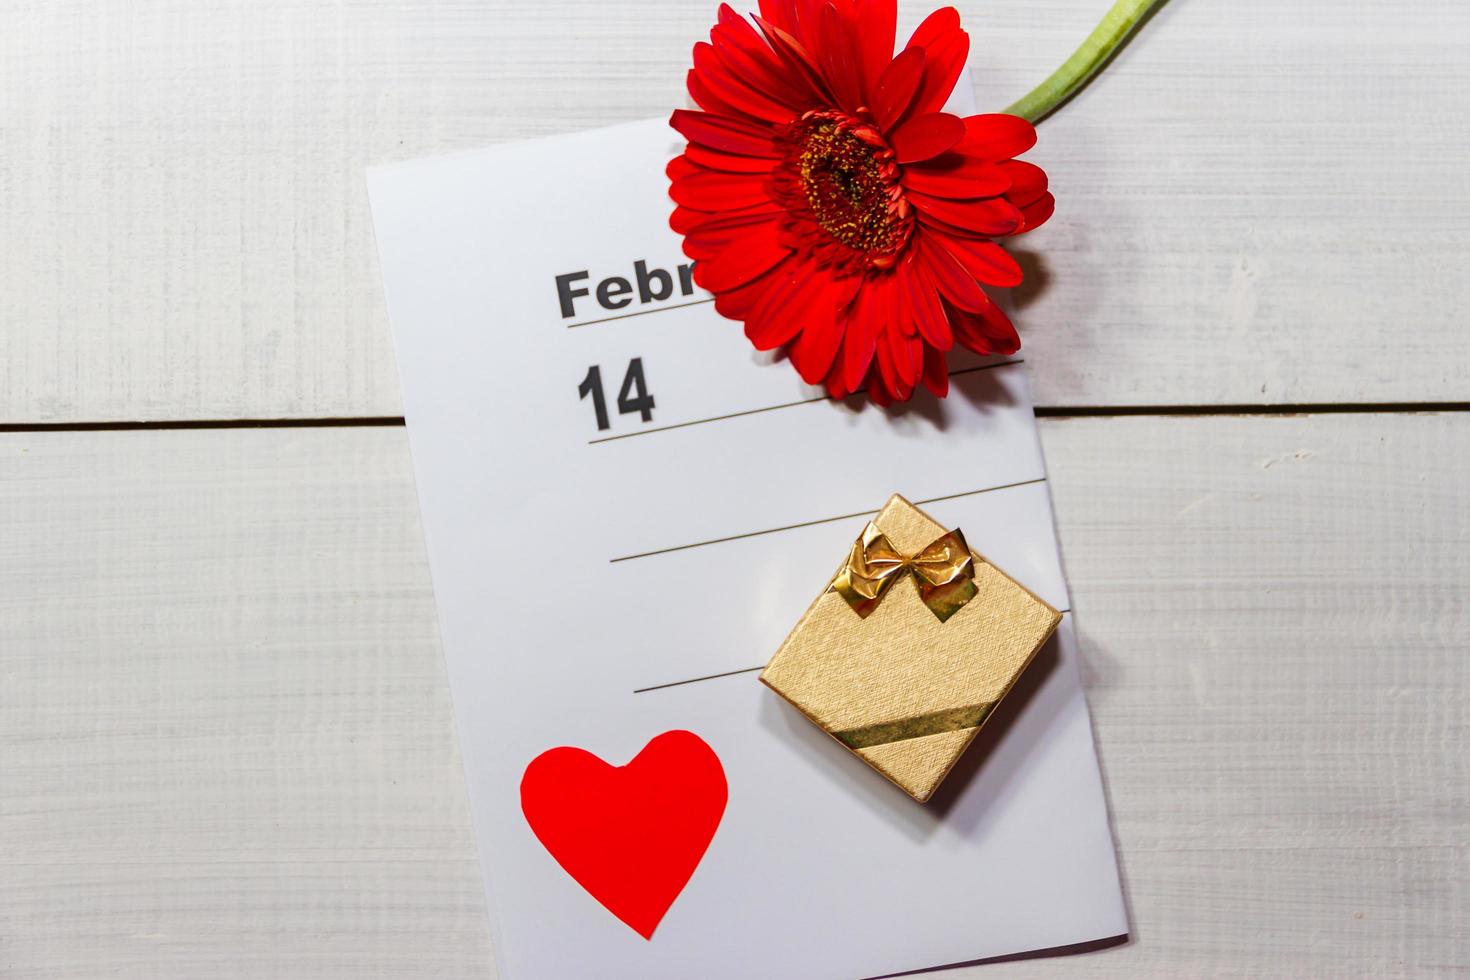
[{"x": 904, "y": 689}]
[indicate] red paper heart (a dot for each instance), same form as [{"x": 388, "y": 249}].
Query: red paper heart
[{"x": 631, "y": 835}]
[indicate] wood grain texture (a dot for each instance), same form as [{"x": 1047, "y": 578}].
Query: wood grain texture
[
  {"x": 226, "y": 748},
  {"x": 1275, "y": 615},
  {"x": 1260, "y": 202},
  {"x": 225, "y": 733}
]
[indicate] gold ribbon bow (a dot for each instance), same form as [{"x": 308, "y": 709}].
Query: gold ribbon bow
[{"x": 943, "y": 570}]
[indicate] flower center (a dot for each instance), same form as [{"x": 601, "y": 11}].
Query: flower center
[{"x": 843, "y": 172}]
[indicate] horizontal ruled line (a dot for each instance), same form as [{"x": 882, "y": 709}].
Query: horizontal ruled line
[
  {"x": 696, "y": 680},
  {"x": 772, "y": 408},
  {"x": 625, "y": 316},
  {"x": 824, "y": 520},
  {"x": 728, "y": 673}
]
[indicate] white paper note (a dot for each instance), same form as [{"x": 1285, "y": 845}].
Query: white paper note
[{"x": 700, "y": 535}]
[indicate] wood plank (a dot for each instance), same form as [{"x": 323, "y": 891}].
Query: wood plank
[
  {"x": 225, "y": 729},
  {"x": 226, "y": 749},
  {"x": 1274, "y": 617},
  {"x": 1260, "y": 203}
]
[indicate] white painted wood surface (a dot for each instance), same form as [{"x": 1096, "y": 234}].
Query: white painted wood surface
[
  {"x": 1260, "y": 202},
  {"x": 225, "y": 743},
  {"x": 227, "y": 748}
]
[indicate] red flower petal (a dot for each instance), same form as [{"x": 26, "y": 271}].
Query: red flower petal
[
  {"x": 727, "y": 162},
  {"x": 1036, "y": 214},
  {"x": 836, "y": 388},
  {"x": 936, "y": 372},
  {"x": 733, "y": 273},
  {"x": 935, "y": 26},
  {"x": 707, "y": 100},
  {"x": 986, "y": 261},
  {"x": 746, "y": 55},
  {"x": 737, "y": 303},
  {"x": 907, "y": 354},
  {"x": 878, "y": 391},
  {"x": 821, "y": 333},
  {"x": 945, "y": 47},
  {"x": 896, "y": 87},
  {"x": 947, "y": 232},
  {"x": 816, "y": 348},
  {"x": 997, "y": 136},
  {"x": 710, "y": 190},
  {"x": 778, "y": 316},
  {"x": 1028, "y": 182},
  {"x": 953, "y": 280},
  {"x": 731, "y": 219},
  {"x": 885, "y": 379},
  {"x": 989, "y": 332},
  {"x": 877, "y": 22},
  {"x": 709, "y": 72},
  {"x": 685, "y": 219},
  {"x": 680, "y": 167},
  {"x": 987, "y": 216},
  {"x": 894, "y": 363},
  {"x": 795, "y": 58},
  {"x": 864, "y": 321},
  {"x": 957, "y": 177},
  {"x": 808, "y": 21},
  {"x": 756, "y": 252},
  {"x": 724, "y": 133},
  {"x": 712, "y": 238},
  {"x": 903, "y": 320},
  {"x": 723, "y": 229},
  {"x": 926, "y": 136},
  {"x": 782, "y": 13},
  {"x": 763, "y": 70},
  {"x": 922, "y": 303},
  {"x": 838, "y": 57}
]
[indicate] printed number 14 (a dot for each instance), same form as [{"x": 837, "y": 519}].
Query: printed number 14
[{"x": 633, "y": 396}]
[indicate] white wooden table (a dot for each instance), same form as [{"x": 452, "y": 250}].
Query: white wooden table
[{"x": 225, "y": 740}]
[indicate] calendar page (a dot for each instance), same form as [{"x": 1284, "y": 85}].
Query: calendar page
[{"x": 626, "y": 511}]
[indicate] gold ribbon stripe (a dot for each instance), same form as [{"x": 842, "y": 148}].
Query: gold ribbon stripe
[{"x": 933, "y": 723}]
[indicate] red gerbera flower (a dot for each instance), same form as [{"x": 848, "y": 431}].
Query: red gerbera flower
[{"x": 831, "y": 206}]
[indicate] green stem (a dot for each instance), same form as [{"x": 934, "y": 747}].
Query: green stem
[{"x": 1085, "y": 62}]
